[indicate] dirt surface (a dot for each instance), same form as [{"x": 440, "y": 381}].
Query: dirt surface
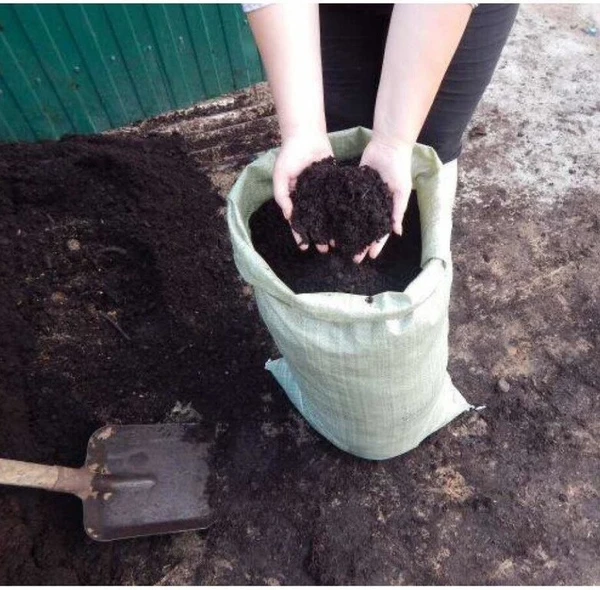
[
  {"x": 114, "y": 260},
  {"x": 506, "y": 495},
  {"x": 311, "y": 272},
  {"x": 349, "y": 206}
]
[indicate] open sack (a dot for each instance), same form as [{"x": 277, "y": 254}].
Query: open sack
[{"x": 370, "y": 377}]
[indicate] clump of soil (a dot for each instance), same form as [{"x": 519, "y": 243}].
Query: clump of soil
[
  {"x": 312, "y": 272},
  {"x": 350, "y": 205}
]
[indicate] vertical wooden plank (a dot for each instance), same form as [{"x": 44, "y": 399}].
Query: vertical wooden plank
[
  {"x": 133, "y": 39},
  {"x": 186, "y": 49},
  {"x": 6, "y": 131},
  {"x": 217, "y": 46},
  {"x": 247, "y": 46},
  {"x": 45, "y": 31},
  {"x": 230, "y": 24},
  {"x": 205, "y": 49},
  {"x": 176, "y": 52},
  {"x": 14, "y": 127},
  {"x": 105, "y": 55},
  {"x": 143, "y": 29},
  {"x": 192, "y": 14},
  {"x": 94, "y": 62},
  {"x": 27, "y": 81}
]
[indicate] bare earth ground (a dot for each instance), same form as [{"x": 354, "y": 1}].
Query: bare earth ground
[
  {"x": 507, "y": 495},
  {"x": 524, "y": 309}
]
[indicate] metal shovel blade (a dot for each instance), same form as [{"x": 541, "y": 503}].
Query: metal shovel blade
[{"x": 148, "y": 480}]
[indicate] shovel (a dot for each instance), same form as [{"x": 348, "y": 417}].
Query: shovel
[{"x": 136, "y": 481}]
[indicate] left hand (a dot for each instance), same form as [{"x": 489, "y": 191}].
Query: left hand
[{"x": 393, "y": 162}]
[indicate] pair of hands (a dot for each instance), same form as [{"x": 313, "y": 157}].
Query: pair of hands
[{"x": 393, "y": 162}]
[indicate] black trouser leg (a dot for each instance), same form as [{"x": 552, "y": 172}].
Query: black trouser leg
[{"x": 353, "y": 43}]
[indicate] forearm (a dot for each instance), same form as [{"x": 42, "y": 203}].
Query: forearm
[
  {"x": 421, "y": 42},
  {"x": 288, "y": 39}
]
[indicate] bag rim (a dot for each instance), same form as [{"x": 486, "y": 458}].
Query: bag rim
[{"x": 335, "y": 306}]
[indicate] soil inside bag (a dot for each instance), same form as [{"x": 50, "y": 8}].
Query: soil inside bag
[{"x": 312, "y": 272}]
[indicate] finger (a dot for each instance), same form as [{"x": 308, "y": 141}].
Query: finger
[
  {"x": 281, "y": 192},
  {"x": 377, "y": 247},
  {"x": 323, "y": 248},
  {"x": 400, "y": 203},
  {"x": 358, "y": 258},
  {"x": 332, "y": 243},
  {"x": 298, "y": 238}
]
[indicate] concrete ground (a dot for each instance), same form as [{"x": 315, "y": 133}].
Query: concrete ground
[{"x": 525, "y": 319}]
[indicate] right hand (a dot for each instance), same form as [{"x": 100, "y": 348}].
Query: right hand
[
  {"x": 297, "y": 153},
  {"x": 393, "y": 163}
]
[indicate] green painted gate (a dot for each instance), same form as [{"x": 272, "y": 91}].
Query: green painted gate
[{"x": 85, "y": 68}]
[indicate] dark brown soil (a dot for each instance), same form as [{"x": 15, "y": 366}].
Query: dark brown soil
[
  {"x": 93, "y": 230},
  {"x": 350, "y": 205},
  {"x": 508, "y": 495},
  {"x": 311, "y": 272}
]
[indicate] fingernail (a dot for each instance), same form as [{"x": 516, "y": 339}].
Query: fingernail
[
  {"x": 322, "y": 248},
  {"x": 297, "y": 237},
  {"x": 376, "y": 249}
]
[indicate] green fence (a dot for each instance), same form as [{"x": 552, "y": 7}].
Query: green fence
[{"x": 75, "y": 68}]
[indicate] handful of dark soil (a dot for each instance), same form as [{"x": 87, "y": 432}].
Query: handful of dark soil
[
  {"x": 348, "y": 204},
  {"x": 312, "y": 272}
]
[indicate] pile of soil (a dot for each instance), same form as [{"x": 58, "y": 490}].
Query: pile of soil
[
  {"x": 311, "y": 272},
  {"x": 114, "y": 261},
  {"x": 349, "y": 205}
]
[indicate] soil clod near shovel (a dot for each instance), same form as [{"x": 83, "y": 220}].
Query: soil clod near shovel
[{"x": 321, "y": 189}]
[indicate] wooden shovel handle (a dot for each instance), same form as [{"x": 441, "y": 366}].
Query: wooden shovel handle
[{"x": 47, "y": 477}]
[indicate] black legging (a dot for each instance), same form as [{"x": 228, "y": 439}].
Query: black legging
[{"x": 352, "y": 46}]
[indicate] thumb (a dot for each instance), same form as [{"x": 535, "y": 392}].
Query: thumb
[{"x": 281, "y": 191}]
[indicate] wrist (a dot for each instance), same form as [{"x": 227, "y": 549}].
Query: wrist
[
  {"x": 302, "y": 130},
  {"x": 315, "y": 137},
  {"x": 391, "y": 142},
  {"x": 301, "y": 115}
]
